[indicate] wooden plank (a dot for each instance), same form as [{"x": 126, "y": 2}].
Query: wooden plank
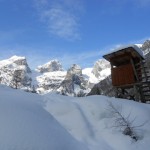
[
  {"x": 140, "y": 63},
  {"x": 146, "y": 78},
  {"x": 131, "y": 60},
  {"x": 146, "y": 90},
  {"x": 140, "y": 68},
  {"x": 123, "y": 75}
]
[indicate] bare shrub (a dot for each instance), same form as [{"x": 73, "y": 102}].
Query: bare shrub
[{"x": 124, "y": 123}]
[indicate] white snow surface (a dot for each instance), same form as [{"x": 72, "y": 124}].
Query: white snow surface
[
  {"x": 55, "y": 122},
  {"x": 26, "y": 125},
  {"x": 136, "y": 47},
  {"x": 139, "y": 45}
]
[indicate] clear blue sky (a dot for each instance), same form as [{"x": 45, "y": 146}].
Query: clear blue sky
[{"x": 72, "y": 31}]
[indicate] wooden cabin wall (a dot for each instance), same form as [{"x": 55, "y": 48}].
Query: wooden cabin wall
[{"x": 123, "y": 75}]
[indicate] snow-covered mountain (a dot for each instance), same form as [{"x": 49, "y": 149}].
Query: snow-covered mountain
[
  {"x": 53, "y": 65},
  {"x": 48, "y": 77},
  {"x": 15, "y": 72},
  {"x": 74, "y": 83},
  {"x": 49, "y": 81},
  {"x": 51, "y": 76},
  {"x": 146, "y": 47},
  {"x": 101, "y": 66},
  {"x": 99, "y": 72}
]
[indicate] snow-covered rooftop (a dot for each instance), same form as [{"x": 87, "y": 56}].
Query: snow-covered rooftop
[{"x": 135, "y": 47}]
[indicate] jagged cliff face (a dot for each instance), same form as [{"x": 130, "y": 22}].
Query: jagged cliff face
[
  {"x": 99, "y": 72},
  {"x": 50, "y": 81},
  {"x": 74, "y": 83},
  {"x": 104, "y": 87},
  {"x": 51, "y": 66},
  {"x": 15, "y": 72},
  {"x": 146, "y": 47},
  {"x": 147, "y": 58},
  {"x": 50, "y": 77},
  {"x": 100, "y": 66},
  {"x": 74, "y": 70},
  {"x": 146, "y": 50}
]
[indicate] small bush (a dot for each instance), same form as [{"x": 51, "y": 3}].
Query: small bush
[{"x": 124, "y": 123}]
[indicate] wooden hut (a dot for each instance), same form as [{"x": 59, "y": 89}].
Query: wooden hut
[{"x": 128, "y": 71}]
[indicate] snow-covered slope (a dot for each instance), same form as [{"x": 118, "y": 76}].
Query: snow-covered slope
[
  {"x": 25, "y": 125},
  {"x": 55, "y": 122},
  {"x": 90, "y": 121}
]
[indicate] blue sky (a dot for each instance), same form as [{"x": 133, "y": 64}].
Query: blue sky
[{"x": 72, "y": 31}]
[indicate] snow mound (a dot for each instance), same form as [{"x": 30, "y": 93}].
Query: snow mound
[
  {"x": 25, "y": 125},
  {"x": 89, "y": 121},
  {"x": 55, "y": 122}
]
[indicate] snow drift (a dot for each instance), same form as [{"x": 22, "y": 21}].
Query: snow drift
[
  {"x": 55, "y": 122},
  {"x": 25, "y": 125}
]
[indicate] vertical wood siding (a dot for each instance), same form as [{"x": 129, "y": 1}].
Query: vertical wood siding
[{"x": 123, "y": 75}]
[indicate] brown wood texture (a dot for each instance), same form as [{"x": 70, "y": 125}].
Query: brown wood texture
[{"x": 123, "y": 75}]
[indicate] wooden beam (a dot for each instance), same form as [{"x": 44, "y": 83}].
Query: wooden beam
[{"x": 136, "y": 75}]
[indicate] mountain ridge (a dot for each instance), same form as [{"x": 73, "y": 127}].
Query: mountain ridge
[{"x": 51, "y": 76}]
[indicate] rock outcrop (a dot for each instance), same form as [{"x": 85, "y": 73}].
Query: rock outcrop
[
  {"x": 74, "y": 83},
  {"x": 99, "y": 66},
  {"x": 50, "y": 77},
  {"x": 104, "y": 87},
  {"x": 15, "y": 72},
  {"x": 53, "y": 65}
]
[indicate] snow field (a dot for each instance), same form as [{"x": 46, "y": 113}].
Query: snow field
[
  {"x": 55, "y": 122},
  {"x": 89, "y": 121},
  {"x": 25, "y": 125}
]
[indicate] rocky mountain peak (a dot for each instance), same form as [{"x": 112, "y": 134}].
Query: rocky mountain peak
[
  {"x": 18, "y": 60},
  {"x": 53, "y": 65},
  {"x": 74, "y": 83},
  {"x": 74, "y": 70},
  {"x": 146, "y": 47},
  {"x": 13, "y": 70},
  {"x": 100, "y": 65},
  {"x": 15, "y": 62}
]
